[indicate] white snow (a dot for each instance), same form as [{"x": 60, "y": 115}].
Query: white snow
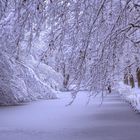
[
  {"x": 132, "y": 95},
  {"x": 38, "y": 120},
  {"x": 36, "y": 113},
  {"x": 26, "y": 79},
  {"x": 52, "y": 120}
]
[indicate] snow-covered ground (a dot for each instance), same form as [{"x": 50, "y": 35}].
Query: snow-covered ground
[
  {"x": 132, "y": 95},
  {"x": 52, "y": 120}
]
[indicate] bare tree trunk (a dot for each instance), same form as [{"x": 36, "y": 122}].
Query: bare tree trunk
[
  {"x": 126, "y": 79},
  {"x": 131, "y": 80},
  {"x": 66, "y": 80},
  {"x": 138, "y": 76}
]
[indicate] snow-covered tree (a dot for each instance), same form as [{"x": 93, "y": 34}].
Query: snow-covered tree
[
  {"x": 92, "y": 43},
  {"x": 22, "y": 76},
  {"x": 90, "y": 40}
]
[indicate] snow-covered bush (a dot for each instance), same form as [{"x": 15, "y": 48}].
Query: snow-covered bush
[
  {"x": 131, "y": 95},
  {"x": 22, "y": 76},
  {"x": 21, "y": 83}
]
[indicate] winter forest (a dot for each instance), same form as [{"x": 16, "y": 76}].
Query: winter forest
[{"x": 75, "y": 51}]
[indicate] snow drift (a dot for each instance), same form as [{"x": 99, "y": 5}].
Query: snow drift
[
  {"x": 131, "y": 95},
  {"x": 20, "y": 82}
]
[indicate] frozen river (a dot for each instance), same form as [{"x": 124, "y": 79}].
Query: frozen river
[{"x": 52, "y": 120}]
